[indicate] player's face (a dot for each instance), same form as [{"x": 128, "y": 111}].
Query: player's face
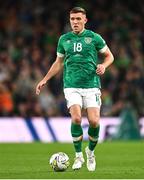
[{"x": 77, "y": 21}]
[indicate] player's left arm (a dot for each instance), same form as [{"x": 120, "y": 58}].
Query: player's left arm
[{"x": 108, "y": 59}]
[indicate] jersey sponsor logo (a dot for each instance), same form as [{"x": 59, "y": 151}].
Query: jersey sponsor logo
[
  {"x": 68, "y": 41},
  {"x": 88, "y": 40}
]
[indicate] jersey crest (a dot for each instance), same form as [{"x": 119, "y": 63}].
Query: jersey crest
[{"x": 88, "y": 40}]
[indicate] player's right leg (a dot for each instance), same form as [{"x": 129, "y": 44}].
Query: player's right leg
[
  {"x": 74, "y": 104},
  {"x": 77, "y": 135}
]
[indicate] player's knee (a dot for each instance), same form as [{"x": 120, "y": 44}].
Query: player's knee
[
  {"x": 76, "y": 119},
  {"x": 94, "y": 123}
]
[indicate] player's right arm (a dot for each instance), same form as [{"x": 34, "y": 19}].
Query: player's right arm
[{"x": 55, "y": 68}]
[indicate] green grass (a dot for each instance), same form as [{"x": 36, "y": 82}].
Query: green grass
[{"x": 124, "y": 160}]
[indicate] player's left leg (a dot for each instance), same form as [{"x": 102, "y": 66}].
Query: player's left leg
[
  {"x": 92, "y": 104},
  {"x": 93, "y": 115}
]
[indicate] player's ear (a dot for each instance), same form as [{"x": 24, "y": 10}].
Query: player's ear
[{"x": 86, "y": 20}]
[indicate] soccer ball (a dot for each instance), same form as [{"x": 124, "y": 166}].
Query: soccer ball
[{"x": 59, "y": 161}]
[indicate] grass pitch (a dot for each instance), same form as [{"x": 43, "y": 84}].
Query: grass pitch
[{"x": 123, "y": 160}]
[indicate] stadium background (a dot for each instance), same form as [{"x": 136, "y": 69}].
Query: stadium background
[{"x": 29, "y": 31}]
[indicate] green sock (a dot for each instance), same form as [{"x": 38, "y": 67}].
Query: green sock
[
  {"x": 76, "y": 132},
  {"x": 93, "y": 137}
]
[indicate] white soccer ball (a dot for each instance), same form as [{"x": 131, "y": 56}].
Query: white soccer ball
[{"x": 59, "y": 161}]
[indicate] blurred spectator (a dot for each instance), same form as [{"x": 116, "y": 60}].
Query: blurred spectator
[
  {"x": 48, "y": 103},
  {"x": 6, "y": 102}
]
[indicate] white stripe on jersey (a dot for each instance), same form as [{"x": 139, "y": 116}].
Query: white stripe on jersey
[
  {"x": 103, "y": 49},
  {"x": 60, "y": 54}
]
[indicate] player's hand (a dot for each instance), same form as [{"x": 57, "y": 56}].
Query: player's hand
[
  {"x": 39, "y": 86},
  {"x": 100, "y": 69}
]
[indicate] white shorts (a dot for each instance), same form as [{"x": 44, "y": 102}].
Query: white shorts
[{"x": 90, "y": 97}]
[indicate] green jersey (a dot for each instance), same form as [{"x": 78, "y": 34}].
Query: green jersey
[{"x": 80, "y": 52}]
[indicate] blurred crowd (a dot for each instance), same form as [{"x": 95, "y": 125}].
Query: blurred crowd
[{"x": 29, "y": 31}]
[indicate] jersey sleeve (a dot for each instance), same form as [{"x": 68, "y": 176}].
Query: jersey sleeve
[
  {"x": 60, "y": 48},
  {"x": 100, "y": 44}
]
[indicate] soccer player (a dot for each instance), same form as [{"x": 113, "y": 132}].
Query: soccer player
[{"x": 77, "y": 53}]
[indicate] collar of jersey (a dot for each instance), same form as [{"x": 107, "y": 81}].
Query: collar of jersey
[{"x": 79, "y": 35}]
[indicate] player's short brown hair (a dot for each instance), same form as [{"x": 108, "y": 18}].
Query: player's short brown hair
[{"x": 78, "y": 10}]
